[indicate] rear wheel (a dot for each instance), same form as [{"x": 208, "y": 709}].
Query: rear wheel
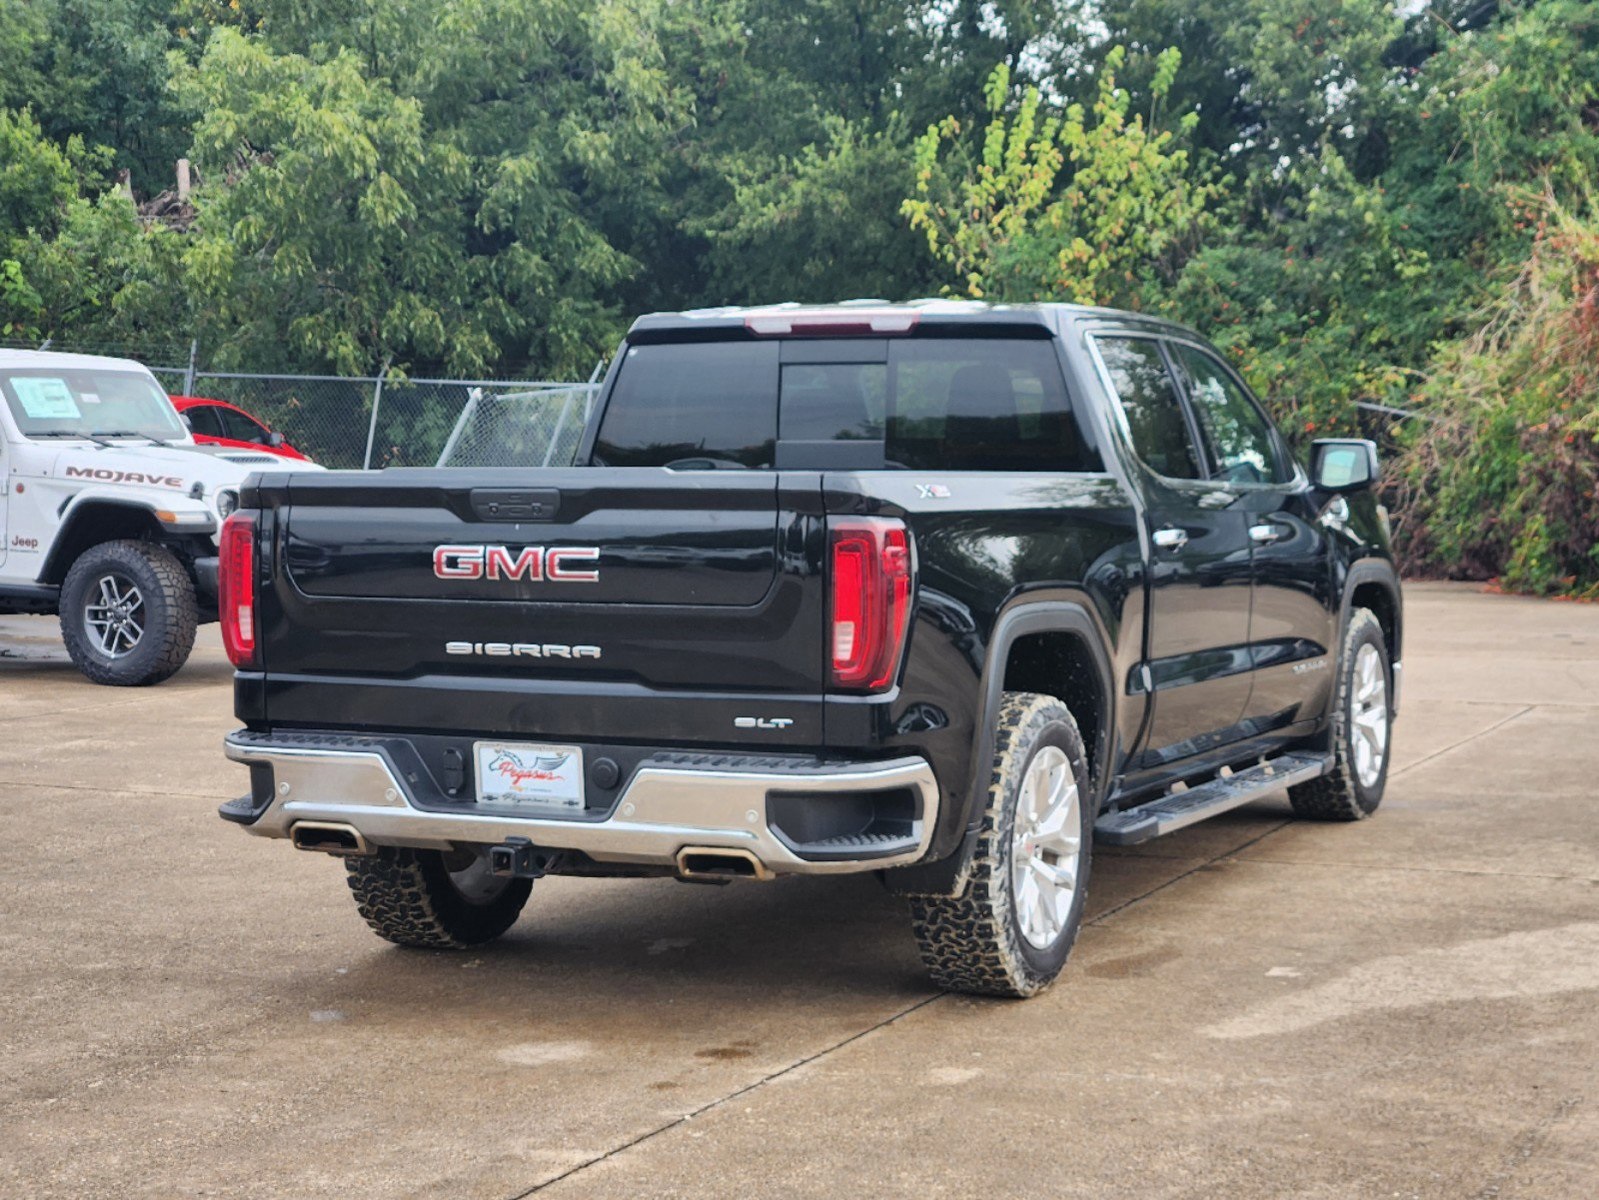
[
  {"x": 1362, "y": 722},
  {"x": 128, "y": 613},
  {"x": 1010, "y": 932},
  {"x": 430, "y": 899}
]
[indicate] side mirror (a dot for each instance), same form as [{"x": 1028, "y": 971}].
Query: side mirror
[
  {"x": 274, "y": 438},
  {"x": 1343, "y": 465},
  {"x": 187, "y": 424}
]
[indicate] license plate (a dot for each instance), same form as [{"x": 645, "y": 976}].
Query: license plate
[{"x": 529, "y": 773}]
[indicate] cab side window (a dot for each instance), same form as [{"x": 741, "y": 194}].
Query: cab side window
[
  {"x": 1155, "y": 418},
  {"x": 1238, "y": 439},
  {"x": 240, "y": 427},
  {"x": 203, "y": 421}
]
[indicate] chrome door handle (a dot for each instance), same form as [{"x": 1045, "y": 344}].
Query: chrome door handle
[
  {"x": 1266, "y": 533},
  {"x": 1171, "y": 538}
]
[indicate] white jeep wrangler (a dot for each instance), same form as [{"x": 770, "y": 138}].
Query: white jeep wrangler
[{"x": 109, "y": 511}]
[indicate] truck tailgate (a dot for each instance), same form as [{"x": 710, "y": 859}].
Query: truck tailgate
[{"x": 487, "y": 595}]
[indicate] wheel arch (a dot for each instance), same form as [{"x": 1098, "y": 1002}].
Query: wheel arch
[
  {"x": 1374, "y": 584},
  {"x": 1029, "y": 641},
  {"x": 89, "y": 522}
]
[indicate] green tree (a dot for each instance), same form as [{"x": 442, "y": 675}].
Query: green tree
[
  {"x": 1278, "y": 77},
  {"x": 1319, "y": 310},
  {"x": 789, "y": 182},
  {"x": 108, "y": 282},
  {"x": 329, "y": 227},
  {"x": 39, "y": 196},
  {"x": 24, "y": 33},
  {"x": 828, "y": 215},
  {"x": 101, "y": 73},
  {"x": 38, "y": 179},
  {"x": 1089, "y": 206}
]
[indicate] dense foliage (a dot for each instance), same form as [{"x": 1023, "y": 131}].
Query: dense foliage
[
  {"x": 1361, "y": 207},
  {"x": 1503, "y": 475}
]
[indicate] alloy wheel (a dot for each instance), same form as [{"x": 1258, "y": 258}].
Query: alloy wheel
[
  {"x": 114, "y": 615},
  {"x": 1046, "y": 847},
  {"x": 1368, "y": 715}
]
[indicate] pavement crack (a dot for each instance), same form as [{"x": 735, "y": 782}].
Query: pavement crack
[
  {"x": 105, "y": 791},
  {"x": 1499, "y": 724},
  {"x": 1526, "y": 1144},
  {"x": 1360, "y": 866},
  {"x": 668, "y": 1126}
]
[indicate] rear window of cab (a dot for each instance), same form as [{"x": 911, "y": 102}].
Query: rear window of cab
[{"x": 946, "y": 403}]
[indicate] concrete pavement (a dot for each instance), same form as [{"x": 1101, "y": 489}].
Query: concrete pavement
[{"x": 1257, "y": 1007}]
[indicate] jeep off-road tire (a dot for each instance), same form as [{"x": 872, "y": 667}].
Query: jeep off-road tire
[
  {"x": 128, "y": 613},
  {"x": 412, "y": 898},
  {"x": 1362, "y": 728},
  {"x": 1037, "y": 821}
]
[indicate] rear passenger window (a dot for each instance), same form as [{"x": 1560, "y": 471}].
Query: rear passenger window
[
  {"x": 1148, "y": 397},
  {"x": 692, "y": 405}
]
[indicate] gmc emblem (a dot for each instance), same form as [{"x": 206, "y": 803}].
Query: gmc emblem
[{"x": 535, "y": 563}]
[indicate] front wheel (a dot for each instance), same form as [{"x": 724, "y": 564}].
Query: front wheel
[
  {"x": 1362, "y": 724},
  {"x": 434, "y": 900},
  {"x": 128, "y": 613},
  {"x": 1010, "y": 932}
]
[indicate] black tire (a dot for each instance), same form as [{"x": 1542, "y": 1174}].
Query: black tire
[
  {"x": 1342, "y": 794},
  {"x": 975, "y": 943},
  {"x": 166, "y": 614},
  {"x": 410, "y": 898}
]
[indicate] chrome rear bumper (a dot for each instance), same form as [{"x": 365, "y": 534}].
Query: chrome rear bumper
[{"x": 664, "y": 809}]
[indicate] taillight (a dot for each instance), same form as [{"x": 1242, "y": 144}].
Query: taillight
[
  {"x": 236, "y": 570},
  {"x": 871, "y": 579}
]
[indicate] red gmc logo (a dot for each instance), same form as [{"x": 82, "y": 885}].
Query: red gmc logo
[{"x": 535, "y": 563}]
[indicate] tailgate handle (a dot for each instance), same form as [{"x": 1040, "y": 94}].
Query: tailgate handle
[{"x": 515, "y": 504}]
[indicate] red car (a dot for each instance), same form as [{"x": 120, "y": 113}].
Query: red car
[{"x": 218, "y": 423}]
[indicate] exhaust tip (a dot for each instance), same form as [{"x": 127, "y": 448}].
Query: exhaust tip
[
  {"x": 328, "y": 837},
  {"x": 716, "y": 863}
]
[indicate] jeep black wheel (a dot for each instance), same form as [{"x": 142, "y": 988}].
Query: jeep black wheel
[
  {"x": 128, "y": 613},
  {"x": 428, "y": 899},
  {"x": 1362, "y": 724},
  {"x": 1011, "y": 930}
]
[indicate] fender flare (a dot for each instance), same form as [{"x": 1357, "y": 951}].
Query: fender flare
[
  {"x": 1383, "y": 573},
  {"x": 58, "y": 560},
  {"x": 948, "y": 876}
]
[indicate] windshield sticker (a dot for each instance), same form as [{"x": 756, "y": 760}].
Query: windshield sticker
[{"x": 45, "y": 399}]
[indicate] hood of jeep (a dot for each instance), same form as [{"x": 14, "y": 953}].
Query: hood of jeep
[{"x": 173, "y": 470}]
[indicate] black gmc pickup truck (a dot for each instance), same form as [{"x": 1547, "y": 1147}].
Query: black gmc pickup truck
[{"x": 945, "y": 591}]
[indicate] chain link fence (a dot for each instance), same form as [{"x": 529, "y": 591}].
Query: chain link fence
[
  {"x": 534, "y": 428},
  {"x": 372, "y": 422},
  {"x": 369, "y": 421}
]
